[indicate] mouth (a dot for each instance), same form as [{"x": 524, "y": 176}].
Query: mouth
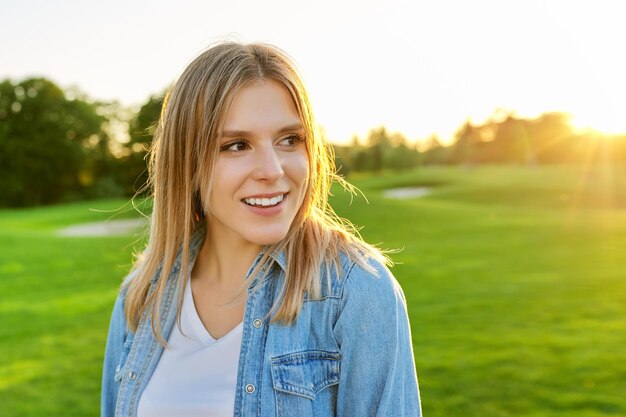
[{"x": 264, "y": 201}]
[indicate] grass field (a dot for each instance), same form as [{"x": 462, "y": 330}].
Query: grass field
[{"x": 514, "y": 279}]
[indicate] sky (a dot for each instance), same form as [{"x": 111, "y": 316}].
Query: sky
[{"x": 416, "y": 67}]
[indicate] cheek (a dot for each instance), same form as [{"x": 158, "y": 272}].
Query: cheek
[
  {"x": 300, "y": 177},
  {"x": 299, "y": 168},
  {"x": 224, "y": 184}
]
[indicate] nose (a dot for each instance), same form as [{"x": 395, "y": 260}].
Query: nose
[{"x": 268, "y": 165}]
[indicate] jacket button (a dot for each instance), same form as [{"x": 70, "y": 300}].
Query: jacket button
[
  {"x": 250, "y": 388},
  {"x": 132, "y": 375},
  {"x": 257, "y": 323}
]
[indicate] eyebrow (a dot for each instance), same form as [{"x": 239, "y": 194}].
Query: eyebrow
[{"x": 236, "y": 133}]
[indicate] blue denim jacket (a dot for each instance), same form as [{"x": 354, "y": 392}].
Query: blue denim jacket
[{"x": 349, "y": 352}]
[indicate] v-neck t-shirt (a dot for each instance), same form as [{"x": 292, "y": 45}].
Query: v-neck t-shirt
[{"x": 196, "y": 374}]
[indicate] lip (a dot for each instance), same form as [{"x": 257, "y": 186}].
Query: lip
[
  {"x": 267, "y": 195},
  {"x": 267, "y": 211}
]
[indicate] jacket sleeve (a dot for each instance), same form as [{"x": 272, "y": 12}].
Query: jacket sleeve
[
  {"x": 377, "y": 374},
  {"x": 112, "y": 358}
]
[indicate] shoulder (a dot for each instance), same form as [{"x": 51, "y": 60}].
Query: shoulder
[
  {"x": 118, "y": 324},
  {"x": 370, "y": 281},
  {"x": 370, "y": 301},
  {"x": 118, "y": 317},
  {"x": 365, "y": 279}
]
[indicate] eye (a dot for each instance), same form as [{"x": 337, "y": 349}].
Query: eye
[
  {"x": 292, "y": 140},
  {"x": 235, "y": 146}
]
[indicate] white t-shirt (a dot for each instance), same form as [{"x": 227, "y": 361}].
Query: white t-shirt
[{"x": 197, "y": 374}]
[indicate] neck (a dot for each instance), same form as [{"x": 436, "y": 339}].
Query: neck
[{"x": 224, "y": 260}]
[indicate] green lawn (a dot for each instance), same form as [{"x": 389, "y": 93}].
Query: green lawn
[{"x": 513, "y": 276}]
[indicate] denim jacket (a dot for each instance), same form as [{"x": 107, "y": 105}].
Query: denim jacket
[{"x": 348, "y": 353}]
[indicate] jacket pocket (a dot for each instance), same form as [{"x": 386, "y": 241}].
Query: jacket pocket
[{"x": 301, "y": 383}]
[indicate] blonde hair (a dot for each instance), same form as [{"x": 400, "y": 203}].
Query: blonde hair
[{"x": 181, "y": 163}]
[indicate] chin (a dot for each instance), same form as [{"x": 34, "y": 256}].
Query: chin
[{"x": 268, "y": 238}]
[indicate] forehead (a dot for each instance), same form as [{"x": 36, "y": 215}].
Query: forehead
[{"x": 261, "y": 105}]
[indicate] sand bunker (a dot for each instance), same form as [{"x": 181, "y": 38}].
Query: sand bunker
[
  {"x": 406, "y": 192},
  {"x": 106, "y": 228}
]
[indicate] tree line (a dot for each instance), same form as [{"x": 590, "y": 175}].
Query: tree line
[
  {"x": 503, "y": 139},
  {"x": 58, "y": 145}
]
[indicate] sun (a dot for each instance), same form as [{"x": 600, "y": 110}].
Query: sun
[{"x": 602, "y": 121}]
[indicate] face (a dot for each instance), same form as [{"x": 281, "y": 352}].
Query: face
[{"x": 261, "y": 171}]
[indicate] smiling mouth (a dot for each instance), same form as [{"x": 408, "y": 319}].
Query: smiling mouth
[{"x": 264, "y": 202}]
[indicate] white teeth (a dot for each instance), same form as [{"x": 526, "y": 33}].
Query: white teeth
[{"x": 264, "y": 202}]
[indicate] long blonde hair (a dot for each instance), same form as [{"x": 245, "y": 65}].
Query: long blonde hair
[{"x": 181, "y": 163}]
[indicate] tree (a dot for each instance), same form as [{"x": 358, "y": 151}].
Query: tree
[
  {"x": 466, "y": 143},
  {"x": 434, "y": 152},
  {"x": 378, "y": 143},
  {"x": 513, "y": 141},
  {"x": 552, "y": 137},
  {"x": 44, "y": 140},
  {"x": 141, "y": 133},
  {"x": 400, "y": 156}
]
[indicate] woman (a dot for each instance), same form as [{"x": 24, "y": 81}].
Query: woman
[{"x": 252, "y": 298}]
